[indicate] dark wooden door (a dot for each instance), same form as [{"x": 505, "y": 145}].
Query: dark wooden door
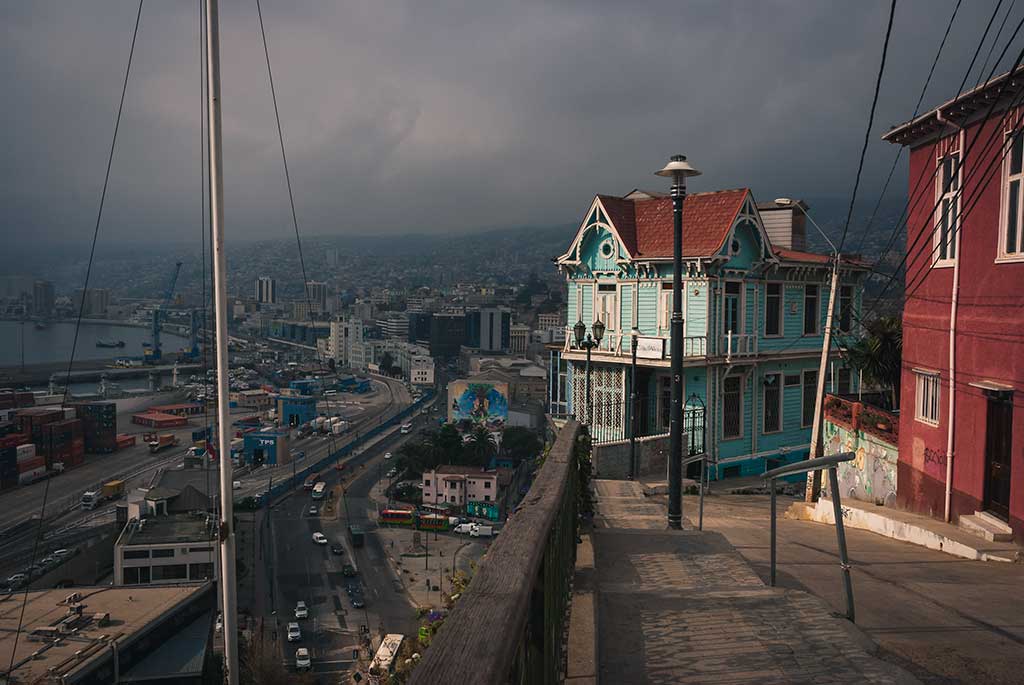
[{"x": 998, "y": 433}]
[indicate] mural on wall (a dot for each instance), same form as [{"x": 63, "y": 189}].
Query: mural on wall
[
  {"x": 871, "y": 476},
  {"x": 480, "y": 403}
]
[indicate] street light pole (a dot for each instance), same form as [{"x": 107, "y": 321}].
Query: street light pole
[
  {"x": 817, "y": 448},
  {"x": 588, "y": 342},
  {"x": 634, "y": 336},
  {"x": 678, "y": 169}
]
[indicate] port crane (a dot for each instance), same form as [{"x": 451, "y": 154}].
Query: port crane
[{"x": 152, "y": 352}]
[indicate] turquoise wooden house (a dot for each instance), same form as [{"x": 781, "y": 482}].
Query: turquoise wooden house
[{"x": 754, "y": 306}]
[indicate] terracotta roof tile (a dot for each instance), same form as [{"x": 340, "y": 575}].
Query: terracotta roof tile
[
  {"x": 787, "y": 255},
  {"x": 645, "y": 225}
]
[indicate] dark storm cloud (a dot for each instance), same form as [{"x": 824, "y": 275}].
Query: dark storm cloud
[{"x": 438, "y": 116}]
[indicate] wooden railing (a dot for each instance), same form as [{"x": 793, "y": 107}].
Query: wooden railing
[
  {"x": 507, "y": 626},
  {"x": 864, "y": 417}
]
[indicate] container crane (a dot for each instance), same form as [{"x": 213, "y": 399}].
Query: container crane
[{"x": 152, "y": 352}]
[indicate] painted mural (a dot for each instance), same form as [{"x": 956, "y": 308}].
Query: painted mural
[
  {"x": 871, "y": 476},
  {"x": 482, "y": 403}
]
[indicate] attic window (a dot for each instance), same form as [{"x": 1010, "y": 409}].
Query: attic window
[
  {"x": 734, "y": 247},
  {"x": 607, "y": 249}
]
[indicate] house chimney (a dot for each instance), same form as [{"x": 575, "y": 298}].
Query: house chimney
[{"x": 786, "y": 225}]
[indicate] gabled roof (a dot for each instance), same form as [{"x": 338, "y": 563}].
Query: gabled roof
[{"x": 645, "y": 224}]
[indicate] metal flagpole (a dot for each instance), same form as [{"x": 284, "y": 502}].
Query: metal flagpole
[{"x": 216, "y": 176}]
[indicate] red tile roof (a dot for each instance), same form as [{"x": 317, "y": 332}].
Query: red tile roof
[
  {"x": 788, "y": 255},
  {"x": 645, "y": 226}
]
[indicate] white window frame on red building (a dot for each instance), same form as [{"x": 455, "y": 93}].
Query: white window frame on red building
[
  {"x": 947, "y": 203},
  {"x": 1006, "y": 252},
  {"x": 927, "y": 396}
]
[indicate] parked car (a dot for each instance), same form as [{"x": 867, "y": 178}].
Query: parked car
[
  {"x": 294, "y": 633},
  {"x": 348, "y": 570},
  {"x": 313, "y": 511},
  {"x": 300, "y": 610},
  {"x": 219, "y": 625},
  {"x": 337, "y": 549},
  {"x": 302, "y": 660},
  {"x": 17, "y": 579},
  {"x": 64, "y": 553},
  {"x": 319, "y": 538},
  {"x": 387, "y": 455},
  {"x": 356, "y": 599}
]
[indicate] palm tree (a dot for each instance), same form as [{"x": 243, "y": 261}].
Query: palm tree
[
  {"x": 481, "y": 447},
  {"x": 879, "y": 355}
]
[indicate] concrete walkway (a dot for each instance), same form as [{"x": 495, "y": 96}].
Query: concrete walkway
[{"x": 686, "y": 607}]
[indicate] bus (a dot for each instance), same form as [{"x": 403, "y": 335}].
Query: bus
[
  {"x": 311, "y": 481},
  {"x": 432, "y": 522},
  {"x": 397, "y": 517},
  {"x": 318, "y": 490},
  {"x": 387, "y": 654}
]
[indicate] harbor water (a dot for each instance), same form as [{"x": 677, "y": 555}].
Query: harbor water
[{"x": 53, "y": 344}]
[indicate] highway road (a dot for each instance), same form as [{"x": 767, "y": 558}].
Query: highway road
[{"x": 300, "y": 570}]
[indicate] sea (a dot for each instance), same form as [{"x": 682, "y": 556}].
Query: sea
[{"x": 53, "y": 344}]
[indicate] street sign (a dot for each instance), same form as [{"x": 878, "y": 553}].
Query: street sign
[{"x": 650, "y": 348}]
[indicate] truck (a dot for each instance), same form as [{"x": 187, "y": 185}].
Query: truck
[
  {"x": 163, "y": 441},
  {"x": 356, "y": 536},
  {"x": 108, "y": 491},
  {"x": 478, "y": 531}
]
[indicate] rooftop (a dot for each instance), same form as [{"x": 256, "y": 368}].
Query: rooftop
[
  {"x": 452, "y": 469},
  {"x": 130, "y": 610},
  {"x": 165, "y": 530}
]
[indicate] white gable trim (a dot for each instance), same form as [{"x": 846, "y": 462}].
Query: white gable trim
[
  {"x": 572, "y": 255},
  {"x": 748, "y": 212}
]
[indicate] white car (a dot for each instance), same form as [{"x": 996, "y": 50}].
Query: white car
[
  {"x": 387, "y": 455},
  {"x": 302, "y": 660},
  {"x": 463, "y": 528},
  {"x": 219, "y": 625},
  {"x": 300, "y": 610},
  {"x": 406, "y": 428},
  {"x": 319, "y": 538},
  {"x": 294, "y": 633},
  {"x": 313, "y": 511}
]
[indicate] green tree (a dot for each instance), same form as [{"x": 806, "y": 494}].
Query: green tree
[
  {"x": 480, "y": 447},
  {"x": 879, "y": 355},
  {"x": 519, "y": 443}
]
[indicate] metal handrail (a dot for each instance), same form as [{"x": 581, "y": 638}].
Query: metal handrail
[
  {"x": 703, "y": 458},
  {"x": 831, "y": 463}
]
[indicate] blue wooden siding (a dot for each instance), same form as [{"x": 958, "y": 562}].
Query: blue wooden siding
[
  {"x": 626, "y": 306},
  {"x": 647, "y": 310},
  {"x": 697, "y": 295},
  {"x": 590, "y": 252},
  {"x": 572, "y": 314},
  {"x": 588, "y": 303}
]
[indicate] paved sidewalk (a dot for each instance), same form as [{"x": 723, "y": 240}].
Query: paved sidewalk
[{"x": 685, "y": 607}]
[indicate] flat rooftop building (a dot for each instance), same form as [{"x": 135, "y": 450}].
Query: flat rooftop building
[
  {"x": 101, "y": 635},
  {"x": 167, "y": 549}
]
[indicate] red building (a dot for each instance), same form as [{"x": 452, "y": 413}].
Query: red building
[{"x": 961, "y": 438}]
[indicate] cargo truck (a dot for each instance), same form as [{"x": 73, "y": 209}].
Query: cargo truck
[
  {"x": 163, "y": 441},
  {"x": 355, "y": 536},
  {"x": 108, "y": 491}
]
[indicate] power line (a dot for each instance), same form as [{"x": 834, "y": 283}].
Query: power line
[
  {"x": 871, "y": 121},
  {"x": 917, "y": 108},
  {"x": 995, "y": 40},
  {"x": 915, "y": 195},
  {"x": 963, "y": 153},
  {"x": 78, "y": 322}
]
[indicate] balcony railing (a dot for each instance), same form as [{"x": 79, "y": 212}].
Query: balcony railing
[
  {"x": 507, "y": 626},
  {"x": 619, "y": 344},
  {"x": 737, "y": 345}
]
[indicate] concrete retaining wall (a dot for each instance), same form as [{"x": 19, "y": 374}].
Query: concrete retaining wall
[{"x": 611, "y": 461}]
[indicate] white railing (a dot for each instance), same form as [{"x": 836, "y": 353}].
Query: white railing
[
  {"x": 738, "y": 345},
  {"x": 619, "y": 344}
]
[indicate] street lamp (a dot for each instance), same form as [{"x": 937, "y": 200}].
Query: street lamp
[
  {"x": 586, "y": 341},
  {"x": 634, "y": 339},
  {"x": 814, "y": 477},
  {"x": 678, "y": 169}
]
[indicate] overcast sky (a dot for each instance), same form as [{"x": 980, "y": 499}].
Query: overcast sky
[{"x": 449, "y": 116}]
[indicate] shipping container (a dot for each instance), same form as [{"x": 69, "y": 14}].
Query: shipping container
[
  {"x": 32, "y": 476},
  {"x": 25, "y": 452},
  {"x": 31, "y": 464}
]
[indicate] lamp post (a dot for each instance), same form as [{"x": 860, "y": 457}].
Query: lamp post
[
  {"x": 588, "y": 342},
  {"x": 678, "y": 169},
  {"x": 634, "y": 338},
  {"x": 814, "y": 477}
]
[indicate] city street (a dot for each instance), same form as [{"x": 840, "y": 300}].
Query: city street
[{"x": 290, "y": 567}]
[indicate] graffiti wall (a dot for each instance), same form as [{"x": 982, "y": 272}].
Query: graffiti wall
[
  {"x": 480, "y": 402},
  {"x": 871, "y": 476}
]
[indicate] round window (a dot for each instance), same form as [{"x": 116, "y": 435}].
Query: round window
[
  {"x": 607, "y": 249},
  {"x": 735, "y": 247}
]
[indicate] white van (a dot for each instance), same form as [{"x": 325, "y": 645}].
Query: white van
[{"x": 406, "y": 428}]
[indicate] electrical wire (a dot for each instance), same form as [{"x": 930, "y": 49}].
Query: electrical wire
[
  {"x": 917, "y": 108},
  {"x": 871, "y": 121},
  {"x": 995, "y": 41},
  {"x": 78, "y": 321},
  {"x": 915, "y": 196}
]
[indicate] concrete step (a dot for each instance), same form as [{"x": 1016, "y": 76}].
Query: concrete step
[
  {"x": 982, "y": 527},
  {"x": 999, "y": 524}
]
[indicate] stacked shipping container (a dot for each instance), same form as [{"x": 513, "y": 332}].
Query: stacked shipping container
[
  {"x": 9, "y": 399},
  {"x": 99, "y": 423},
  {"x": 63, "y": 442}
]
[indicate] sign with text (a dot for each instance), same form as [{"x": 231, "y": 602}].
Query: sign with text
[{"x": 650, "y": 348}]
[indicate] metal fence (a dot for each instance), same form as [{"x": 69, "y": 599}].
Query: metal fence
[
  {"x": 507, "y": 627},
  {"x": 609, "y": 422}
]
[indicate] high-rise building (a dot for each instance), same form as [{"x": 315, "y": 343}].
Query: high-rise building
[
  {"x": 489, "y": 328},
  {"x": 266, "y": 290},
  {"x": 316, "y": 293},
  {"x": 96, "y": 301},
  {"x": 395, "y": 325},
  {"x": 447, "y": 334},
  {"x": 42, "y": 298},
  {"x": 519, "y": 338}
]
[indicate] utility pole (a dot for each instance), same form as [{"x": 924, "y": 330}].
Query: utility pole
[
  {"x": 817, "y": 446},
  {"x": 220, "y": 289}
]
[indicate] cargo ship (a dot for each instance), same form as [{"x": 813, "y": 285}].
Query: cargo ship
[{"x": 110, "y": 343}]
